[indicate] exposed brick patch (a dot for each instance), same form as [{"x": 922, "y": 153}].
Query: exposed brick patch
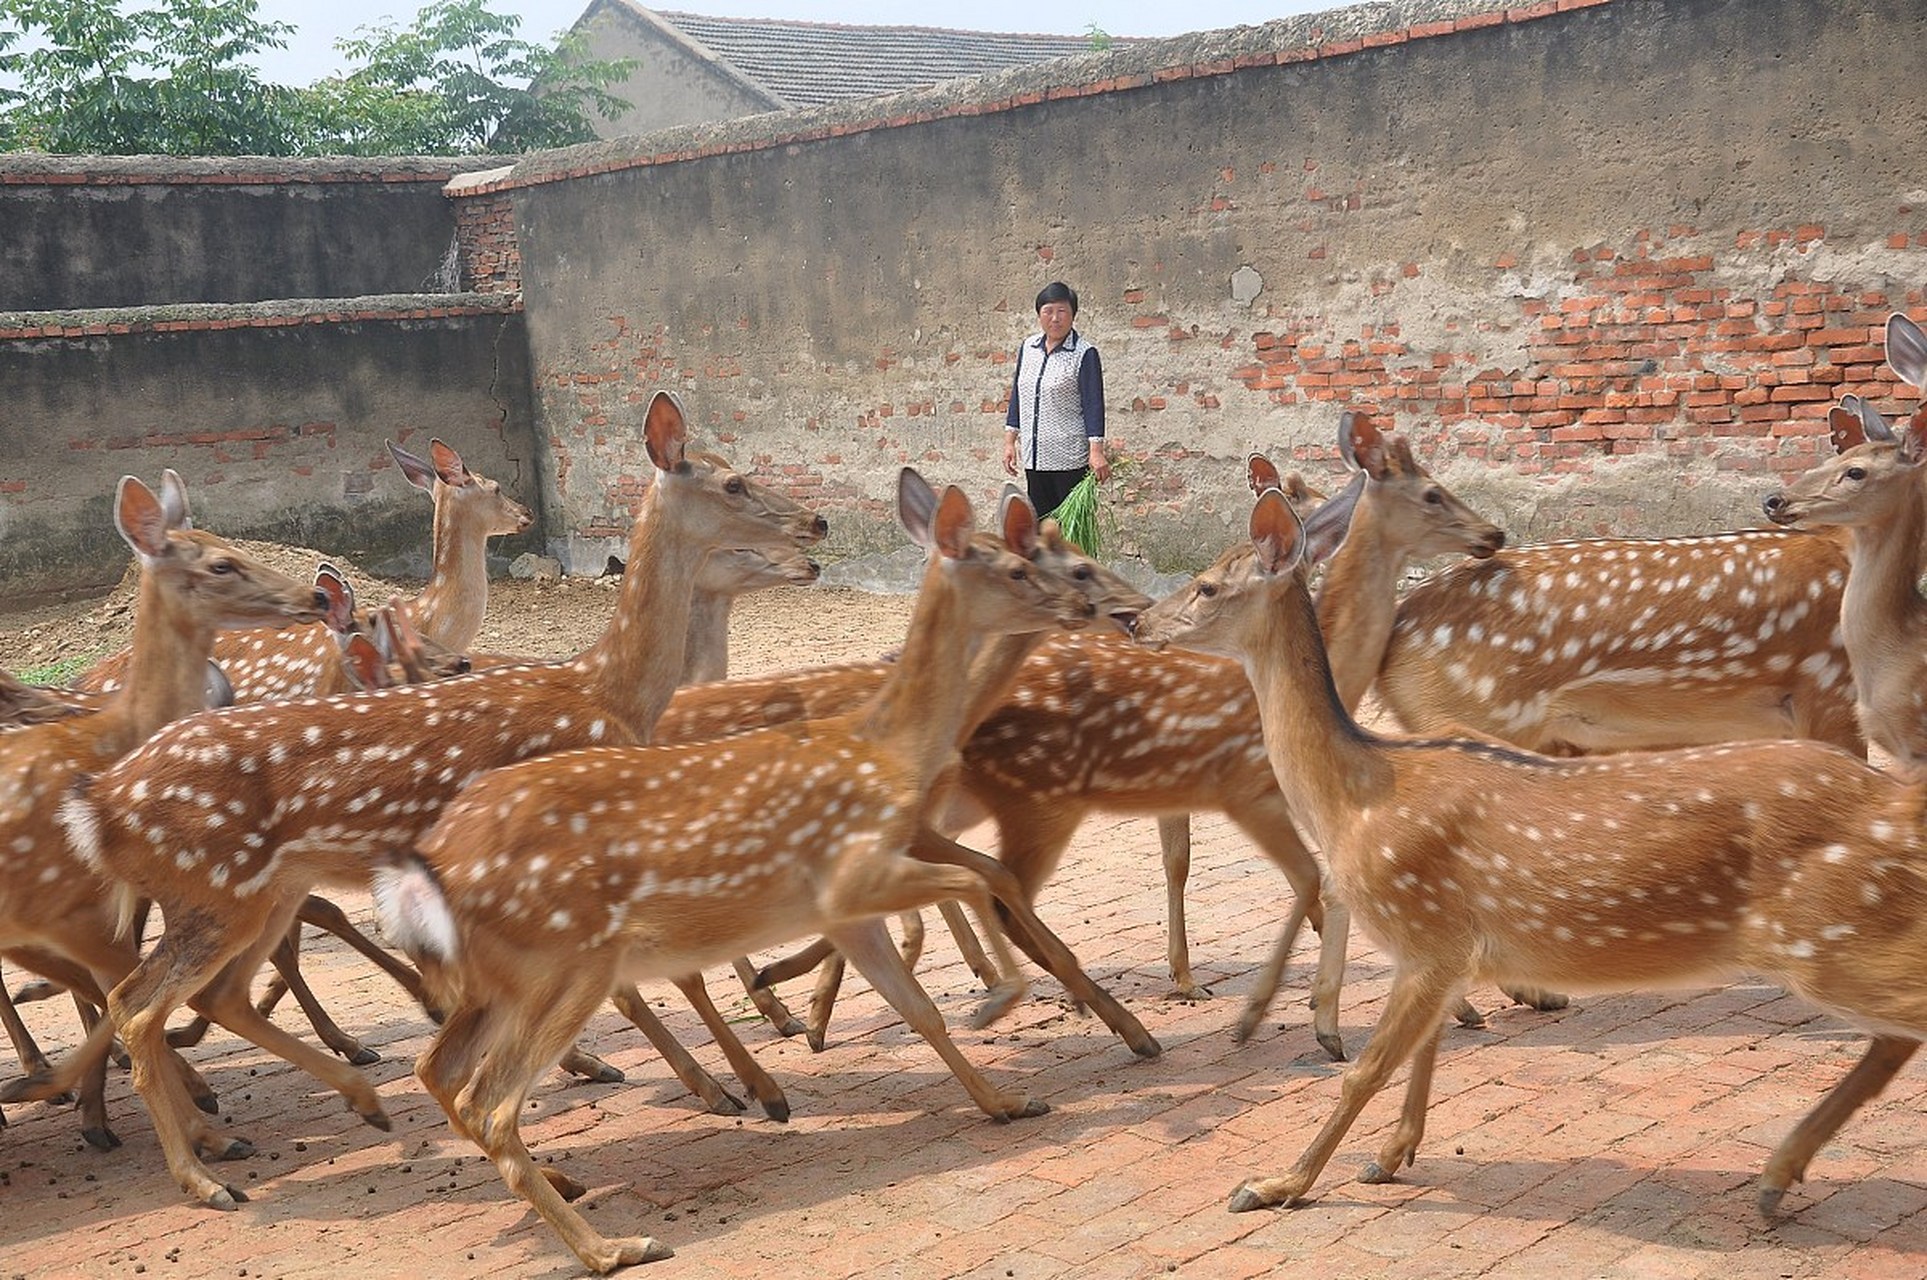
[{"x": 35, "y": 325}]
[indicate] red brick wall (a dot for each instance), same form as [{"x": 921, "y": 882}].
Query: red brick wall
[{"x": 485, "y": 237}]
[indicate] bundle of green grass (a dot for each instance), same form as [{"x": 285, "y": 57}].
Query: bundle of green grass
[{"x": 1076, "y": 515}]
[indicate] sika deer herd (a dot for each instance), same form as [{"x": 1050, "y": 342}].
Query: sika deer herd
[{"x": 1643, "y": 768}]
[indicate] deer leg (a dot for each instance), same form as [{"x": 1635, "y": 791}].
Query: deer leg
[
  {"x": 767, "y": 1002},
  {"x": 792, "y": 966},
  {"x": 768, "y": 1094},
  {"x": 720, "y": 1101},
  {"x": 868, "y": 946},
  {"x": 491, "y": 1104},
  {"x": 32, "y": 1061},
  {"x": 1174, "y": 839},
  {"x": 1270, "y": 826},
  {"x": 323, "y": 914},
  {"x": 287, "y": 962},
  {"x": 829, "y": 981},
  {"x": 448, "y": 1064},
  {"x": 967, "y": 942},
  {"x": 911, "y": 923},
  {"x": 1402, "y": 1147},
  {"x": 1271, "y": 975},
  {"x": 1411, "y": 1016},
  {"x": 1788, "y": 1163},
  {"x": 185, "y": 957},
  {"x": 1031, "y": 934}
]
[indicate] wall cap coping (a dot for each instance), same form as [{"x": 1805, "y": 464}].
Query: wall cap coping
[
  {"x": 465, "y": 183},
  {"x": 1200, "y": 55},
  {"x": 37, "y": 169},
  {"x": 172, "y": 317}
]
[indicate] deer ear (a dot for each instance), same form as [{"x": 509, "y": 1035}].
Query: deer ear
[
  {"x": 665, "y": 432},
  {"x": 448, "y": 464},
  {"x": 1261, "y": 475},
  {"x": 1276, "y": 534},
  {"x": 140, "y": 519},
  {"x": 1019, "y": 521},
  {"x": 1907, "y": 350},
  {"x": 954, "y": 524},
  {"x": 1361, "y": 444},
  {"x": 1844, "y": 424},
  {"x": 916, "y": 505},
  {"x": 417, "y": 471},
  {"x": 363, "y": 662},
  {"x": 1913, "y": 440},
  {"x": 1326, "y": 528},
  {"x": 340, "y": 617},
  {"x": 174, "y": 500}
]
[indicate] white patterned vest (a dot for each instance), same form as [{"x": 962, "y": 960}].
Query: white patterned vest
[{"x": 1050, "y": 412}]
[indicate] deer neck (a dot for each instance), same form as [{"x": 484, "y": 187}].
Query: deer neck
[
  {"x": 1881, "y": 609},
  {"x": 1358, "y": 603},
  {"x": 705, "y": 657},
  {"x": 454, "y": 604},
  {"x": 997, "y": 664},
  {"x": 632, "y": 669},
  {"x": 166, "y": 675},
  {"x": 1328, "y": 768},
  {"x": 919, "y": 713}
]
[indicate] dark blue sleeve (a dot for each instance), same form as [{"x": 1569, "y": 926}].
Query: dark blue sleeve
[
  {"x": 1010, "y": 419},
  {"x": 1090, "y": 393}
]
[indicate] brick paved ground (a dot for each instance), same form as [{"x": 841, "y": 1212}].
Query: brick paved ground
[{"x": 1620, "y": 1138}]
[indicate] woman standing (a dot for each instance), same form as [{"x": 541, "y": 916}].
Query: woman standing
[{"x": 1055, "y": 426}]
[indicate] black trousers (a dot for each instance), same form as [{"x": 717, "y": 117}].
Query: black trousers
[{"x": 1048, "y": 489}]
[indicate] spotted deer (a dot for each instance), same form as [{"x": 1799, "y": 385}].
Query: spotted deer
[
  {"x": 228, "y": 821},
  {"x": 659, "y": 860},
  {"x": 470, "y": 509},
  {"x": 1093, "y": 724},
  {"x": 1873, "y": 489},
  {"x": 1468, "y": 860},
  {"x": 192, "y": 584}
]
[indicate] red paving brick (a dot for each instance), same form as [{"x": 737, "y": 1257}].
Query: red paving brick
[{"x": 1617, "y": 1139}]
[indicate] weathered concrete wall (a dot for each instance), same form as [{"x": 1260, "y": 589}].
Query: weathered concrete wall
[
  {"x": 276, "y": 417},
  {"x": 1605, "y": 260},
  {"x": 94, "y": 231}
]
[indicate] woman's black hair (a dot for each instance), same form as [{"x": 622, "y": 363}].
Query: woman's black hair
[{"x": 1057, "y": 291}]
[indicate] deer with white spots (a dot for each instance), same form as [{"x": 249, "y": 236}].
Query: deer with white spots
[
  {"x": 1874, "y": 490},
  {"x": 227, "y": 821},
  {"x": 547, "y": 883},
  {"x": 53, "y": 907},
  {"x": 1468, "y": 860},
  {"x": 1101, "y": 725},
  {"x": 470, "y": 509}
]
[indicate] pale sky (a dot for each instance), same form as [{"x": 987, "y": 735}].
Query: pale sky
[{"x": 310, "y": 53}]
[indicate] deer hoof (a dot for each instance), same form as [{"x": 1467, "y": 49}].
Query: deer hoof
[
  {"x": 777, "y": 1109},
  {"x": 1769, "y": 1201},
  {"x": 726, "y": 1103},
  {"x": 206, "y": 1101},
  {"x": 1032, "y": 1108},
  {"x": 1333, "y": 1044},
  {"x": 1375, "y": 1173},
  {"x": 1244, "y": 1200},
  {"x": 232, "y": 1149},
  {"x": 362, "y": 1056},
  {"x": 628, "y": 1253},
  {"x": 377, "y": 1118},
  {"x": 101, "y": 1139},
  {"x": 227, "y": 1199}
]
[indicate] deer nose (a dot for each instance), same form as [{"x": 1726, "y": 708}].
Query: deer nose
[
  {"x": 1774, "y": 504},
  {"x": 820, "y": 527}
]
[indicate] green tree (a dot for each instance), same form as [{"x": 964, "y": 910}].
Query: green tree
[
  {"x": 96, "y": 77},
  {"x": 447, "y": 83}
]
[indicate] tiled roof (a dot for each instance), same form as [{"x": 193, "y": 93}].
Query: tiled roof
[{"x": 809, "y": 63}]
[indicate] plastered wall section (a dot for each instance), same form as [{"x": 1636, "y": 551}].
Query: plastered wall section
[
  {"x": 276, "y": 415},
  {"x": 1605, "y": 261}
]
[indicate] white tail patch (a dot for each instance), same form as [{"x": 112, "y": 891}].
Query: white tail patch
[
  {"x": 79, "y": 819},
  {"x": 412, "y": 911}
]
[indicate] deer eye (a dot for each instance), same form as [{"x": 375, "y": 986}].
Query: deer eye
[
  {"x": 1018, "y": 575},
  {"x": 733, "y": 485},
  {"x": 1082, "y": 573},
  {"x": 1207, "y": 590},
  {"x": 221, "y": 566},
  {"x": 1432, "y": 496},
  {"x": 1856, "y": 473}
]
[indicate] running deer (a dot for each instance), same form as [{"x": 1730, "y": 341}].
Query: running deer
[
  {"x": 1874, "y": 490},
  {"x": 191, "y": 585},
  {"x": 1100, "y": 725},
  {"x": 659, "y": 860},
  {"x": 469, "y": 510},
  {"x": 228, "y": 821},
  {"x": 1471, "y": 860}
]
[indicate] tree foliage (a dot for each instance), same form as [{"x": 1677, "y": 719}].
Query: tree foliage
[{"x": 175, "y": 78}]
